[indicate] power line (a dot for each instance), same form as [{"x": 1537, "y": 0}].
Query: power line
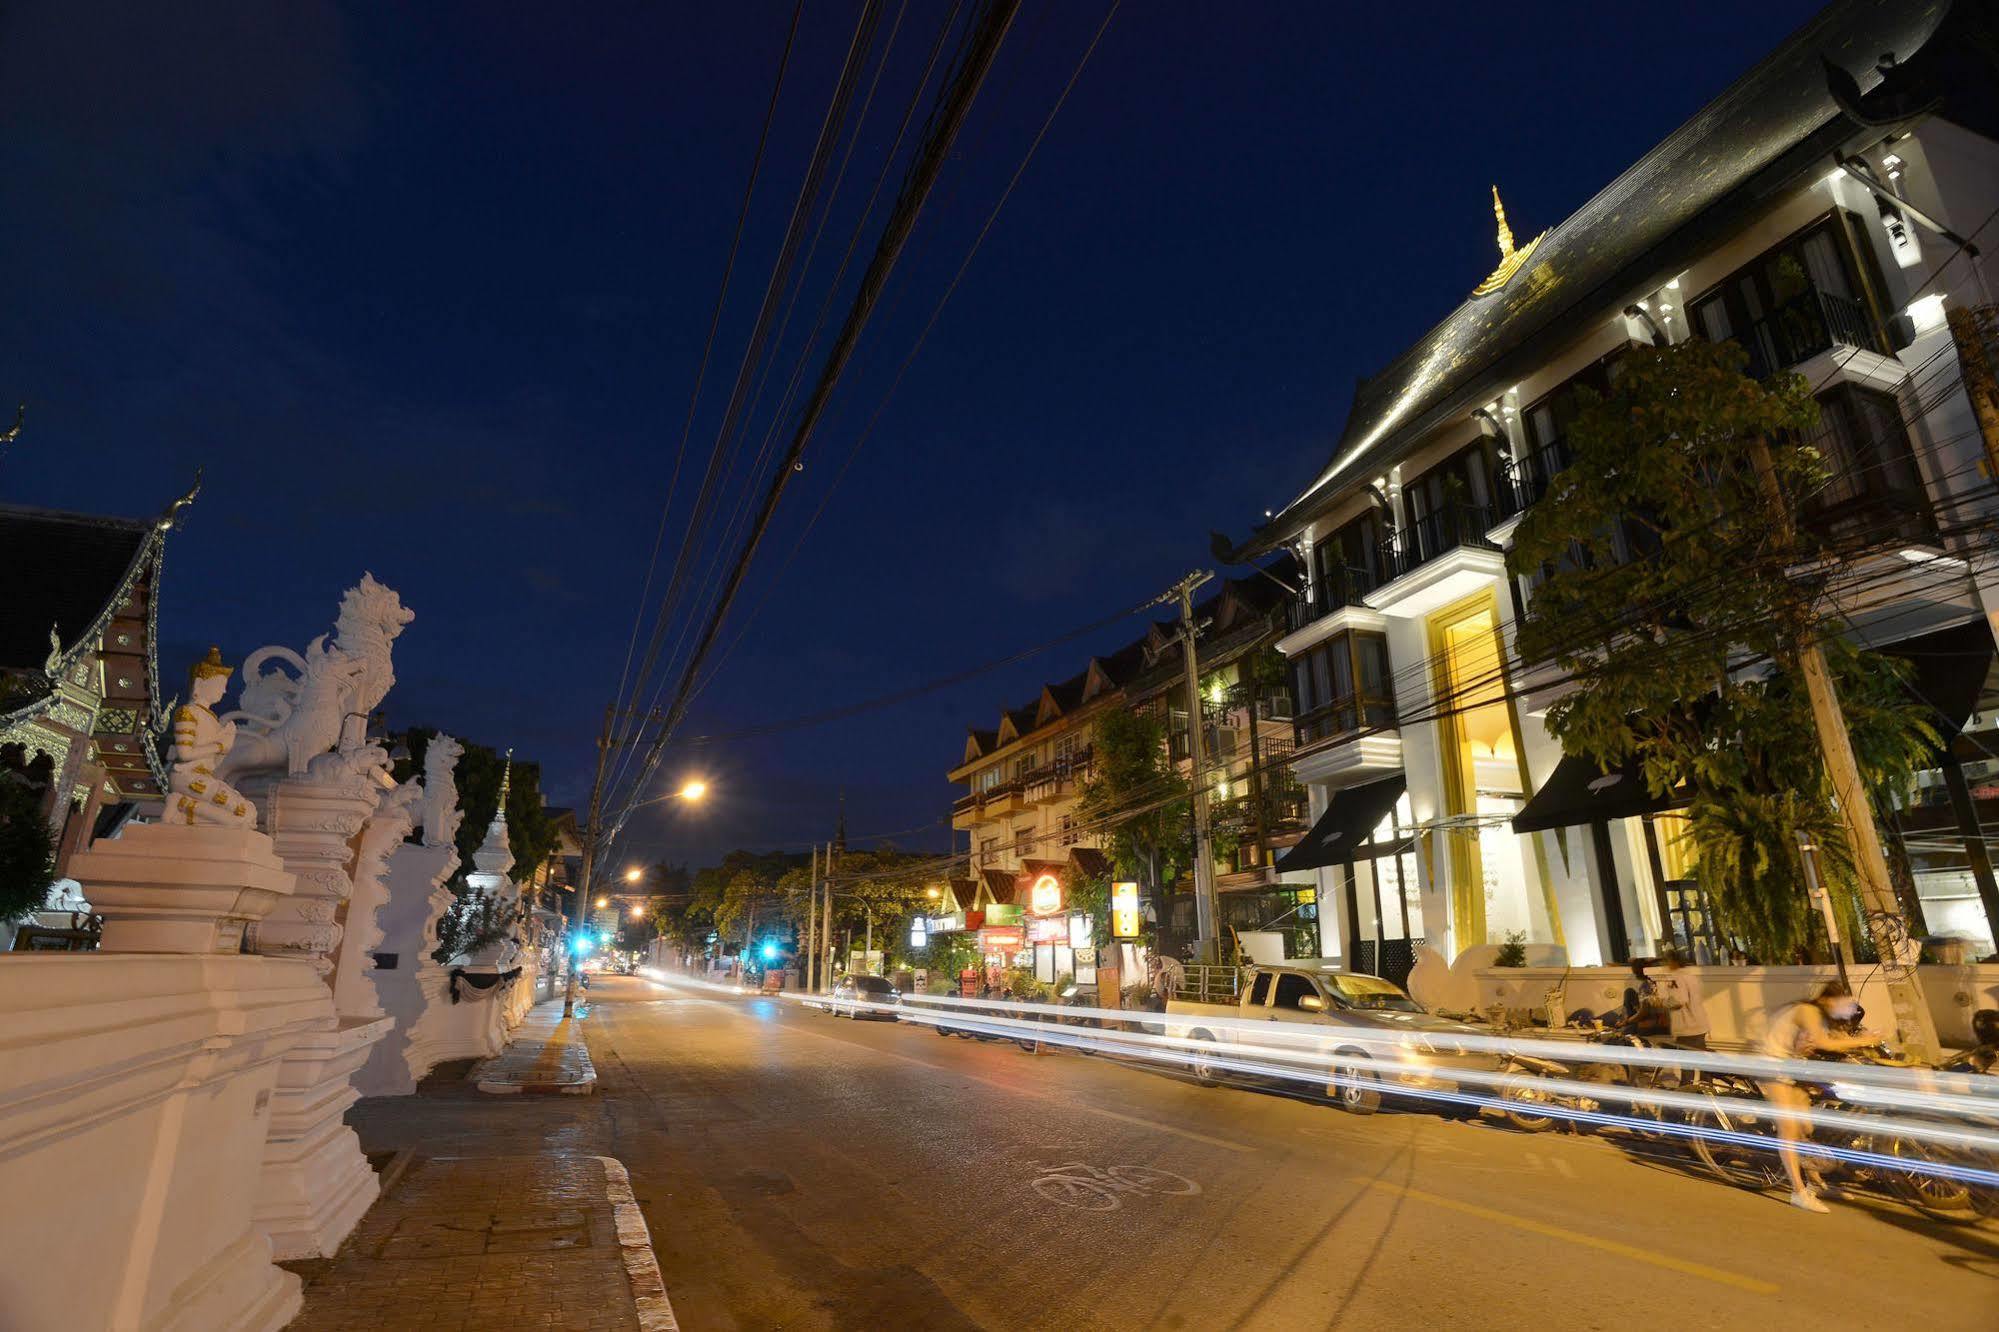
[{"x": 963, "y": 88}]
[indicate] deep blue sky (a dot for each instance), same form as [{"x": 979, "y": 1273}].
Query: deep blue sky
[{"x": 423, "y": 289}]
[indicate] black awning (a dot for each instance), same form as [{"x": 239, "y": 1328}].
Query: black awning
[
  {"x": 1354, "y": 814},
  {"x": 1579, "y": 792},
  {"x": 1948, "y": 669}
]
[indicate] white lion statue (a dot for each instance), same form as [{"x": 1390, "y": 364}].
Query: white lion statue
[
  {"x": 441, "y": 815},
  {"x": 287, "y": 719}
]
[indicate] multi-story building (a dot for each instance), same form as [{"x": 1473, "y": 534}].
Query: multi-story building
[
  {"x": 1022, "y": 810},
  {"x": 1819, "y": 216}
]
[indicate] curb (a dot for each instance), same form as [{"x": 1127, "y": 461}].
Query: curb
[{"x": 648, "y": 1287}]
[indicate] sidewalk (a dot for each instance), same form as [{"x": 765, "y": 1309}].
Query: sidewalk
[
  {"x": 466, "y": 1244},
  {"x": 547, "y": 1055}
]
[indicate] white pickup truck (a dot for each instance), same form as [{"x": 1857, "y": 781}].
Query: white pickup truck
[{"x": 1363, "y": 1017}]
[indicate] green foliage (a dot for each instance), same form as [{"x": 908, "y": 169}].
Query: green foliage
[
  {"x": 27, "y": 850},
  {"x": 1021, "y": 984},
  {"x": 530, "y": 831},
  {"x": 1658, "y": 642},
  {"x": 1134, "y": 786},
  {"x": 1512, "y": 953}
]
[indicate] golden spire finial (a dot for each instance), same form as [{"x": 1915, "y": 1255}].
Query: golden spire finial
[
  {"x": 1505, "y": 232},
  {"x": 1511, "y": 259},
  {"x": 506, "y": 783}
]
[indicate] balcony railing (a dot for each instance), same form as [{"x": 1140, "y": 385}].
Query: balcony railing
[
  {"x": 1802, "y": 328},
  {"x": 1437, "y": 533},
  {"x": 1521, "y": 483},
  {"x": 1334, "y": 589},
  {"x": 1344, "y": 716}
]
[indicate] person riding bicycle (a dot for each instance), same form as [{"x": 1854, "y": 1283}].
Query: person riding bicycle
[{"x": 1799, "y": 1031}]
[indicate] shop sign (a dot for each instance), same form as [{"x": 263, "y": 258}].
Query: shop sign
[
  {"x": 919, "y": 933},
  {"x": 1004, "y": 915},
  {"x": 1124, "y": 910},
  {"x": 951, "y": 924},
  {"x": 1045, "y": 897},
  {"x": 1054, "y": 930},
  {"x": 1000, "y": 941},
  {"x": 1081, "y": 935}
]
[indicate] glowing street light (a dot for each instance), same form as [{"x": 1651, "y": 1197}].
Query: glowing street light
[
  {"x": 693, "y": 789},
  {"x": 638, "y": 912},
  {"x": 933, "y": 893},
  {"x": 603, "y": 902},
  {"x": 634, "y": 874}
]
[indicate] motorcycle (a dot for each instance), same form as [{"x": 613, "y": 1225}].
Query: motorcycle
[{"x": 1534, "y": 1105}]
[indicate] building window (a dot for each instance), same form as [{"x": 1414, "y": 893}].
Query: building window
[
  {"x": 988, "y": 851},
  {"x": 1342, "y": 685},
  {"x": 1023, "y": 839},
  {"x": 1791, "y": 302},
  {"x": 1068, "y": 830}
]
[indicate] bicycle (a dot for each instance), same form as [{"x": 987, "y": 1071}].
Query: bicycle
[{"x": 1089, "y": 1188}]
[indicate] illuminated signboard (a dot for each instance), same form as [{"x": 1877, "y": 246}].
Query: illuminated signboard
[
  {"x": 1081, "y": 933},
  {"x": 1124, "y": 911},
  {"x": 919, "y": 933},
  {"x": 1053, "y": 930},
  {"x": 1045, "y": 898}
]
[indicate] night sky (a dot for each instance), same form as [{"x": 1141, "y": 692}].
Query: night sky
[{"x": 423, "y": 289}]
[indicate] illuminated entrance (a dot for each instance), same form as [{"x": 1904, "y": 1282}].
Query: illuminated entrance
[{"x": 1496, "y": 886}]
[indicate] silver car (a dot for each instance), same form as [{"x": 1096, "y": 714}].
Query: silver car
[
  {"x": 859, "y": 991},
  {"x": 1322, "y": 995}
]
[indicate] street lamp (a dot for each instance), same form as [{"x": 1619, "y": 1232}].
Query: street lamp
[
  {"x": 693, "y": 789},
  {"x": 634, "y": 874},
  {"x": 638, "y": 912},
  {"x": 932, "y": 893},
  {"x": 603, "y": 902}
]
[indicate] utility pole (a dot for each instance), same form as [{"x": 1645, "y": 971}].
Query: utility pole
[
  {"x": 589, "y": 859},
  {"x": 1206, "y": 913},
  {"x": 826, "y": 931},
  {"x": 1914, "y": 1026},
  {"x": 1979, "y": 382},
  {"x": 811, "y": 924}
]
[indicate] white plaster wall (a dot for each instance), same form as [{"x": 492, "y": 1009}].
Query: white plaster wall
[{"x": 134, "y": 1100}]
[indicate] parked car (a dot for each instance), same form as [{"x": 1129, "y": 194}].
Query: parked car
[
  {"x": 1365, "y": 1016},
  {"x": 858, "y": 990}
]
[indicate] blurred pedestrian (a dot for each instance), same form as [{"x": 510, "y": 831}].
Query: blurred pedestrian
[
  {"x": 1679, "y": 992},
  {"x": 1799, "y": 1031}
]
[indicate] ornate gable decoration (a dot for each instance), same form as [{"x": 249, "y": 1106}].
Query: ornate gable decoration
[
  {"x": 1008, "y": 732},
  {"x": 1048, "y": 709},
  {"x": 1510, "y": 259}
]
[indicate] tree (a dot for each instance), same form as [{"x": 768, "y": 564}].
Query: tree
[
  {"x": 27, "y": 851},
  {"x": 1669, "y": 587},
  {"x": 531, "y": 832},
  {"x": 1135, "y": 791}
]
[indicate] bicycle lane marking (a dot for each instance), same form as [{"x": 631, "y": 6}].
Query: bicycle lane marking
[
  {"x": 1685, "y": 1267},
  {"x": 1068, "y": 1103}
]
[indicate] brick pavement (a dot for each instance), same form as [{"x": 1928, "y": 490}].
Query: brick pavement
[
  {"x": 547, "y": 1055},
  {"x": 464, "y": 1244}
]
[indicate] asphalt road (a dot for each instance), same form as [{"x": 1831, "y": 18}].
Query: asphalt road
[{"x": 803, "y": 1171}]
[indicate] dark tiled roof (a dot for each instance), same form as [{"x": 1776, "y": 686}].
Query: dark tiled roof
[
  {"x": 1675, "y": 202},
  {"x": 61, "y": 570},
  {"x": 1090, "y": 862},
  {"x": 1000, "y": 885}
]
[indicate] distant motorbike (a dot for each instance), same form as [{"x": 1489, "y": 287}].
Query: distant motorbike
[{"x": 1535, "y": 1105}]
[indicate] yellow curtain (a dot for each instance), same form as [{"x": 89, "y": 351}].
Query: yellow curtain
[{"x": 1677, "y": 849}]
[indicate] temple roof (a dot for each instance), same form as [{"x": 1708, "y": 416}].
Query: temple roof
[
  {"x": 61, "y": 571},
  {"x": 1775, "y": 124}
]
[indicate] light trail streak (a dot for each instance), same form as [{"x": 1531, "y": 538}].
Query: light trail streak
[{"x": 1302, "y": 1055}]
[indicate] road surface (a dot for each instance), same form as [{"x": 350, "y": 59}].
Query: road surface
[{"x": 804, "y": 1171}]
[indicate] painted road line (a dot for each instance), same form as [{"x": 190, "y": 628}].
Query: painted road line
[{"x": 1630, "y": 1251}]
